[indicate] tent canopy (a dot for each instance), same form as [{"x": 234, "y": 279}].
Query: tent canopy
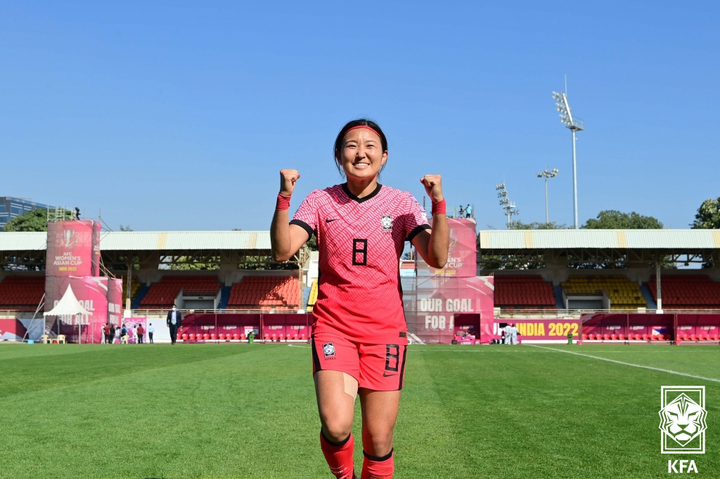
[{"x": 68, "y": 305}]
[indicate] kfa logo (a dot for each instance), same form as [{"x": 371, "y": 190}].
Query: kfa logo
[
  {"x": 387, "y": 222},
  {"x": 329, "y": 350},
  {"x": 682, "y": 420}
]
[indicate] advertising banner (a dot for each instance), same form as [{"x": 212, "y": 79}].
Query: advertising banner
[
  {"x": 432, "y": 304},
  {"x": 92, "y": 293},
  {"x": 542, "y": 329},
  {"x": 114, "y": 301},
  {"x": 462, "y": 258},
  {"x": 95, "y": 262},
  {"x": 69, "y": 249}
]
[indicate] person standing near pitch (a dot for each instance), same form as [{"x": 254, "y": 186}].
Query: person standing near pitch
[{"x": 359, "y": 339}]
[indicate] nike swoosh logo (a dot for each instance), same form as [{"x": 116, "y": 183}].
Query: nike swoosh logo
[
  {"x": 386, "y": 375},
  {"x": 328, "y": 220}
]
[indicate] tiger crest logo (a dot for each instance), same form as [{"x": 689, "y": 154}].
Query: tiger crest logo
[{"x": 683, "y": 420}]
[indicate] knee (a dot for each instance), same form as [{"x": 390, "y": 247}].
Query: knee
[
  {"x": 336, "y": 430},
  {"x": 378, "y": 442}
]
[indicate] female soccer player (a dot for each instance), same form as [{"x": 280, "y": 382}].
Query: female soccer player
[{"x": 359, "y": 338}]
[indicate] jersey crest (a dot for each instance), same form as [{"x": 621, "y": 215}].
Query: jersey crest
[{"x": 387, "y": 222}]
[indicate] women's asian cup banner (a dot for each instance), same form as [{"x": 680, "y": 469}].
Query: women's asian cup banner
[
  {"x": 92, "y": 294},
  {"x": 95, "y": 262},
  {"x": 462, "y": 254},
  {"x": 432, "y": 305},
  {"x": 70, "y": 248},
  {"x": 114, "y": 301},
  {"x": 542, "y": 329}
]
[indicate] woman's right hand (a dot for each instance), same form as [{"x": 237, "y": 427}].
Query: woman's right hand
[{"x": 287, "y": 181}]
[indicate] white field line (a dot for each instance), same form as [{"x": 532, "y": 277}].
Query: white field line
[
  {"x": 298, "y": 346},
  {"x": 628, "y": 364}
]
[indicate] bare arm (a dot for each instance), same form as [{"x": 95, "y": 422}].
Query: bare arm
[
  {"x": 286, "y": 239},
  {"x": 433, "y": 245}
]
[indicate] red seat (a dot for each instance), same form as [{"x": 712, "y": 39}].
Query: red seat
[
  {"x": 606, "y": 337},
  {"x": 621, "y": 337},
  {"x": 191, "y": 337},
  {"x": 685, "y": 337},
  {"x": 644, "y": 337},
  {"x": 661, "y": 337},
  {"x": 701, "y": 337},
  {"x": 591, "y": 336},
  {"x": 613, "y": 337},
  {"x": 302, "y": 337},
  {"x": 221, "y": 337},
  {"x": 692, "y": 337},
  {"x": 584, "y": 337},
  {"x": 235, "y": 336},
  {"x": 206, "y": 336},
  {"x": 715, "y": 337},
  {"x": 294, "y": 337},
  {"x": 274, "y": 338},
  {"x": 267, "y": 337},
  {"x": 212, "y": 336},
  {"x": 281, "y": 337},
  {"x": 184, "y": 337}
]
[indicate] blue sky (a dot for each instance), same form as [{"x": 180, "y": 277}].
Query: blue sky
[{"x": 179, "y": 115}]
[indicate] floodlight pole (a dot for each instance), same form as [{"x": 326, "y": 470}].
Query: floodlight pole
[
  {"x": 574, "y": 124},
  {"x": 547, "y": 174},
  {"x": 575, "y": 200}
]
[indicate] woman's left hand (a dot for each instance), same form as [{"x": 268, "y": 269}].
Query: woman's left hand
[{"x": 433, "y": 186}]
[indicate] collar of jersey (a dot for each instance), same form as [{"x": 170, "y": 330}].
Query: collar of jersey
[{"x": 360, "y": 200}]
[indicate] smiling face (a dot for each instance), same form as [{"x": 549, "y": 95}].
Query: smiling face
[{"x": 361, "y": 155}]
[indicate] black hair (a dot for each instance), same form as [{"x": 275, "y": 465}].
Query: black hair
[{"x": 346, "y": 128}]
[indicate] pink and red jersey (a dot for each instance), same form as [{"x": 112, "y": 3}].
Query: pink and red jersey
[{"x": 360, "y": 241}]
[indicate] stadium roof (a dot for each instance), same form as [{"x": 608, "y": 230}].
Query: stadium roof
[
  {"x": 506, "y": 240},
  {"x": 666, "y": 239},
  {"x": 151, "y": 241}
]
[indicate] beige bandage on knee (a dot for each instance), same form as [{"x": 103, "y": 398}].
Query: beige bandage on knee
[{"x": 351, "y": 385}]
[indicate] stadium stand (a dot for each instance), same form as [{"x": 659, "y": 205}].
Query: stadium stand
[
  {"x": 21, "y": 293},
  {"x": 623, "y": 293},
  {"x": 687, "y": 292},
  {"x": 278, "y": 293},
  {"x": 164, "y": 293},
  {"x": 523, "y": 292},
  {"x": 133, "y": 289},
  {"x": 312, "y": 299}
]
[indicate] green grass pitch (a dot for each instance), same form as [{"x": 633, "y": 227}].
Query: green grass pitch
[{"x": 231, "y": 410}]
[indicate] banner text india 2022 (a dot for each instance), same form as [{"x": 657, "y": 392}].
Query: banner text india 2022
[{"x": 683, "y": 421}]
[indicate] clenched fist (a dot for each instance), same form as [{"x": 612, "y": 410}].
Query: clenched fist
[
  {"x": 287, "y": 181},
  {"x": 433, "y": 186}
]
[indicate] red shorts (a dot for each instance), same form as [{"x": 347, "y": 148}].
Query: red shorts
[{"x": 379, "y": 367}]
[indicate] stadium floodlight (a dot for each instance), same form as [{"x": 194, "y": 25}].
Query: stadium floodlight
[
  {"x": 547, "y": 174},
  {"x": 505, "y": 202},
  {"x": 574, "y": 124}
]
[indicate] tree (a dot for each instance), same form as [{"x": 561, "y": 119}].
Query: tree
[
  {"x": 615, "y": 220},
  {"x": 708, "y": 215},
  {"x": 35, "y": 220},
  {"x": 518, "y": 225}
]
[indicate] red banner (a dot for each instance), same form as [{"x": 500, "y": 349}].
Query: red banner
[
  {"x": 92, "y": 293},
  {"x": 432, "y": 306},
  {"x": 462, "y": 257},
  {"x": 541, "y": 329},
  {"x": 69, "y": 249},
  {"x": 95, "y": 262},
  {"x": 114, "y": 301}
]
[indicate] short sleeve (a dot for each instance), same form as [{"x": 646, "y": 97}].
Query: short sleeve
[
  {"x": 416, "y": 219},
  {"x": 306, "y": 216}
]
